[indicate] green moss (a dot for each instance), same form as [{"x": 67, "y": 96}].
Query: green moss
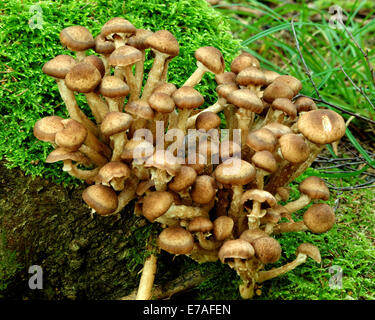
[{"x": 26, "y": 94}]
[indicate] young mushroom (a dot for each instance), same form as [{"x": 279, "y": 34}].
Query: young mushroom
[
  {"x": 201, "y": 227},
  {"x": 118, "y": 30},
  {"x": 78, "y": 39},
  {"x": 101, "y": 199},
  {"x": 114, "y": 174},
  {"x": 114, "y": 90}
]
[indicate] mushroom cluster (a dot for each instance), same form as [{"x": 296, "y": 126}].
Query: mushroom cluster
[{"x": 218, "y": 187}]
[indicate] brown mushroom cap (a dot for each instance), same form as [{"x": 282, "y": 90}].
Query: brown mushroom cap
[
  {"x": 207, "y": 120},
  {"x": 72, "y": 136},
  {"x": 118, "y": 26},
  {"x": 270, "y": 76},
  {"x": 267, "y": 249},
  {"x": 113, "y": 169},
  {"x": 261, "y": 139},
  {"x": 319, "y": 218},
  {"x": 315, "y": 188},
  {"x": 294, "y": 148},
  {"x": 304, "y": 104},
  {"x": 83, "y": 77},
  {"x": 310, "y": 250},
  {"x": 321, "y": 126},
  {"x": 77, "y": 38},
  {"x": 250, "y": 235},
  {"x": 243, "y": 61},
  {"x": 251, "y": 76},
  {"x": 223, "y": 90},
  {"x": 96, "y": 62},
  {"x": 223, "y": 227},
  {"x": 187, "y": 98},
  {"x": 59, "y": 66},
  {"x": 115, "y": 122},
  {"x": 138, "y": 40},
  {"x": 45, "y": 129},
  {"x": 101, "y": 198},
  {"x": 176, "y": 240},
  {"x": 167, "y": 88},
  {"x": 184, "y": 179},
  {"x": 211, "y": 58},
  {"x": 235, "y": 172},
  {"x": 258, "y": 195},
  {"x": 203, "y": 190},
  {"x": 200, "y": 224},
  {"x": 124, "y": 56},
  {"x": 103, "y": 46},
  {"x": 247, "y": 99},
  {"x": 113, "y": 87},
  {"x": 161, "y": 102},
  {"x": 137, "y": 149},
  {"x": 277, "y": 89},
  {"x": 291, "y": 81},
  {"x": 155, "y": 204},
  {"x": 286, "y": 106},
  {"x": 225, "y": 77},
  {"x": 164, "y": 42},
  {"x": 61, "y": 154},
  {"x": 235, "y": 249},
  {"x": 277, "y": 129},
  {"x": 264, "y": 160},
  {"x": 140, "y": 109}
]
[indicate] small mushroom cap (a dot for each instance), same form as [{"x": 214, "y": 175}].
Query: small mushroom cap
[
  {"x": 83, "y": 77},
  {"x": 155, "y": 204},
  {"x": 167, "y": 88},
  {"x": 211, "y": 58},
  {"x": 286, "y": 106},
  {"x": 207, "y": 120},
  {"x": 304, "y": 104},
  {"x": 184, "y": 179},
  {"x": 164, "y": 160},
  {"x": 277, "y": 129},
  {"x": 225, "y": 89},
  {"x": 283, "y": 192},
  {"x": 101, "y": 198},
  {"x": 277, "y": 89},
  {"x": 140, "y": 109},
  {"x": 321, "y": 126},
  {"x": 315, "y": 188},
  {"x": 292, "y": 82},
  {"x": 164, "y": 42},
  {"x": 59, "y": 66},
  {"x": 235, "y": 172},
  {"x": 223, "y": 227},
  {"x": 270, "y": 76},
  {"x": 176, "y": 240},
  {"x": 72, "y": 136},
  {"x": 77, "y": 38},
  {"x": 294, "y": 148},
  {"x": 264, "y": 160},
  {"x": 258, "y": 195},
  {"x": 200, "y": 224},
  {"x": 203, "y": 190},
  {"x": 310, "y": 250},
  {"x": 225, "y": 77},
  {"x": 250, "y": 235},
  {"x": 187, "y": 98},
  {"x": 278, "y": 211},
  {"x": 138, "y": 40},
  {"x": 319, "y": 218},
  {"x": 251, "y": 76},
  {"x": 113, "y": 87},
  {"x": 117, "y": 26},
  {"x": 235, "y": 249},
  {"x": 161, "y": 102},
  {"x": 61, "y": 154},
  {"x": 124, "y": 56},
  {"x": 115, "y": 122},
  {"x": 244, "y": 60},
  {"x": 267, "y": 249},
  {"x": 104, "y": 46},
  {"x": 137, "y": 149},
  {"x": 261, "y": 139},
  {"x": 113, "y": 169},
  {"x": 45, "y": 129},
  {"x": 247, "y": 99},
  {"x": 96, "y": 62}
]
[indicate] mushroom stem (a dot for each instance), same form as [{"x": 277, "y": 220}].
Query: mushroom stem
[
  {"x": 298, "y": 204},
  {"x": 131, "y": 81},
  {"x": 245, "y": 120},
  {"x": 93, "y": 155},
  {"x": 201, "y": 255},
  {"x": 98, "y": 107},
  {"x": 185, "y": 212},
  {"x": 235, "y": 209},
  {"x": 72, "y": 169},
  {"x": 154, "y": 74},
  {"x": 273, "y": 273},
  {"x": 160, "y": 179},
  {"x": 195, "y": 77},
  {"x": 289, "y": 227},
  {"x": 182, "y": 119},
  {"x": 216, "y": 107},
  {"x": 147, "y": 278},
  {"x": 127, "y": 194},
  {"x": 74, "y": 111},
  {"x": 80, "y": 55},
  {"x": 207, "y": 244},
  {"x": 139, "y": 70},
  {"x": 119, "y": 140}
]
